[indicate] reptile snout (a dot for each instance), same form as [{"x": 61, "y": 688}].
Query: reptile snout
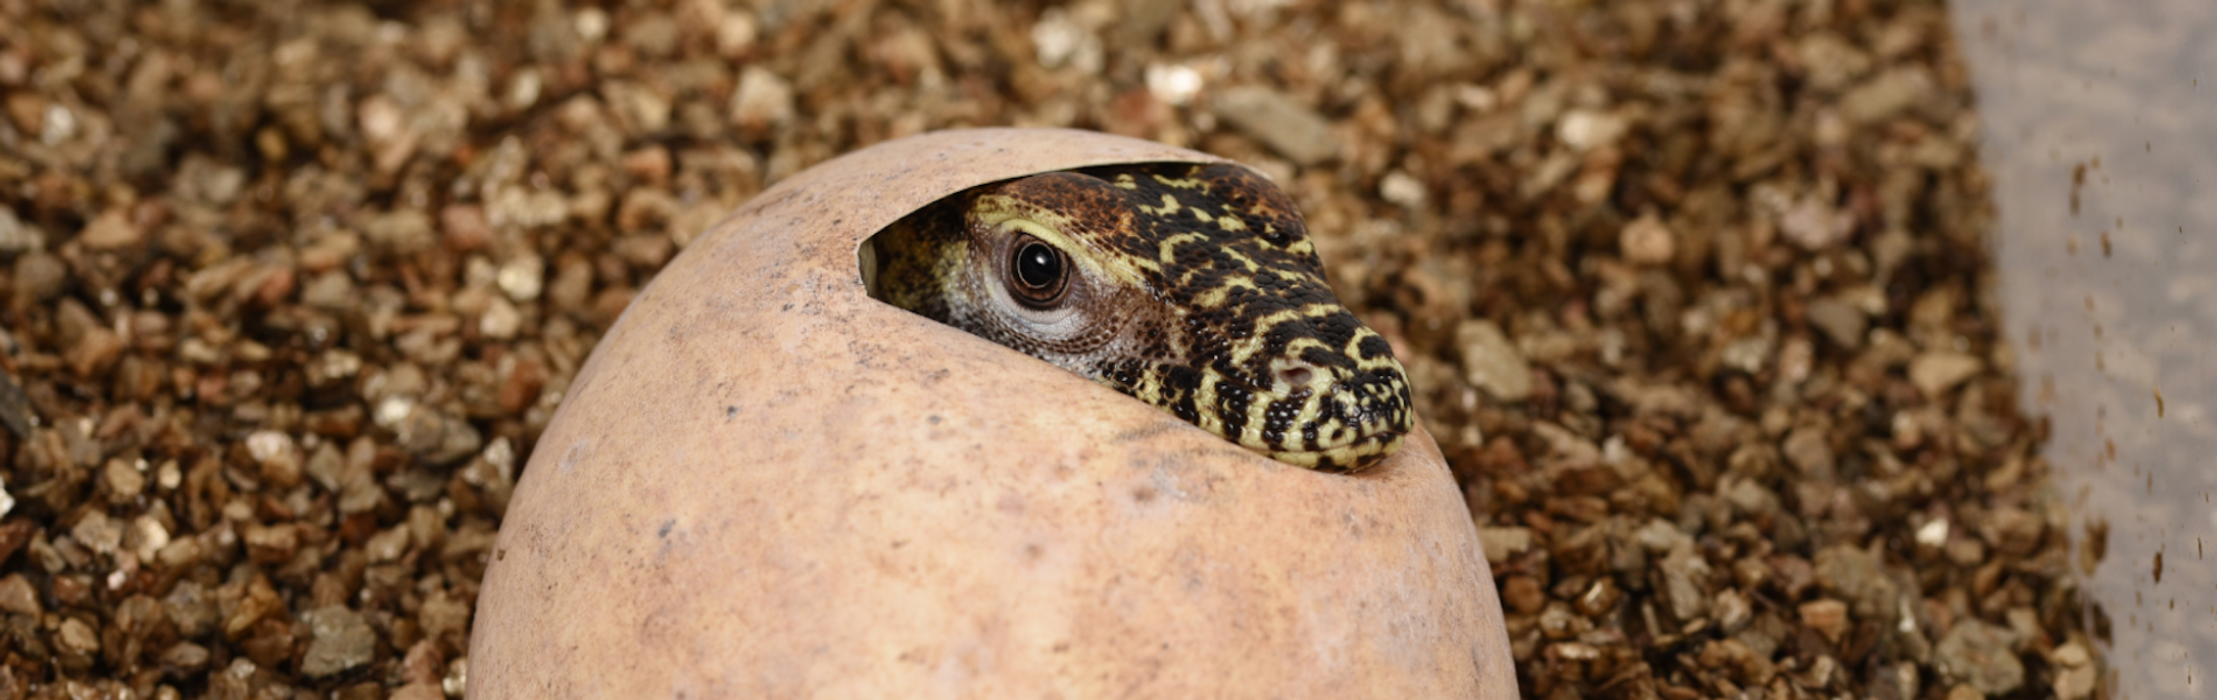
[{"x": 1372, "y": 401}]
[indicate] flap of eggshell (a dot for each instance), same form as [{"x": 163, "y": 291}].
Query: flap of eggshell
[{"x": 766, "y": 484}]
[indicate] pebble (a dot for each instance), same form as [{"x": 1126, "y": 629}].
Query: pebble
[
  {"x": 1733, "y": 611},
  {"x": 152, "y": 537},
  {"x": 501, "y": 320},
  {"x": 38, "y": 277},
  {"x": 79, "y": 637},
  {"x": 1934, "y": 373},
  {"x": 1751, "y": 498},
  {"x": 1832, "y": 62},
  {"x": 1828, "y": 617},
  {"x": 1401, "y": 188},
  {"x": 124, "y": 482},
  {"x": 28, "y": 109},
  {"x": 1979, "y": 655},
  {"x": 271, "y": 544},
  {"x": 1573, "y": 651},
  {"x": 1686, "y": 583},
  {"x": 1174, "y": 84},
  {"x": 379, "y": 118},
  {"x": 272, "y": 285},
  {"x": 1600, "y": 598},
  {"x": 1659, "y": 536},
  {"x": 61, "y": 124},
  {"x": 186, "y": 656},
  {"x": 522, "y": 277},
  {"x": 399, "y": 232},
  {"x": 2076, "y": 673},
  {"x": 650, "y": 164},
  {"x": 2071, "y": 654},
  {"x": 234, "y": 681},
  {"x": 1886, "y": 95},
  {"x": 422, "y": 662},
  {"x": 1797, "y": 357},
  {"x": 207, "y": 181},
  {"x": 182, "y": 552},
  {"x": 526, "y": 207},
  {"x": 466, "y": 227},
  {"x": 332, "y": 366},
  {"x": 521, "y": 384},
  {"x": 419, "y": 691},
  {"x": 1501, "y": 543},
  {"x": 95, "y": 351},
  {"x": 1647, "y": 241},
  {"x": 735, "y": 34},
  {"x": 1933, "y": 533},
  {"x": 340, "y": 639},
  {"x": 18, "y": 596},
  {"x": 1843, "y": 323},
  {"x": 639, "y": 109},
  {"x": 436, "y": 437},
  {"x": 1060, "y": 38},
  {"x": 763, "y": 100},
  {"x": 1491, "y": 363},
  {"x": 1808, "y": 449},
  {"x": 389, "y": 545},
  {"x": 325, "y": 466},
  {"x": 191, "y": 607},
  {"x": 1587, "y": 129},
  {"x": 1859, "y": 577},
  {"x": 1288, "y": 127},
  {"x": 278, "y": 456},
  {"x": 1748, "y": 354},
  {"x": 17, "y": 237},
  {"x": 1558, "y": 621},
  {"x": 648, "y": 250},
  {"x": 1814, "y": 224},
  {"x": 653, "y": 34},
  {"x": 98, "y": 532},
  {"x": 1522, "y": 594},
  {"x": 2013, "y": 531},
  {"x": 444, "y": 616}
]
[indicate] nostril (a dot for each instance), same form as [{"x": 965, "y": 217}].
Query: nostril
[{"x": 1298, "y": 376}]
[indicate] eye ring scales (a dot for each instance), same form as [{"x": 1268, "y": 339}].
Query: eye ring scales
[{"x": 1038, "y": 274}]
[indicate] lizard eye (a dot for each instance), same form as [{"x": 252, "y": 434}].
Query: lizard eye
[{"x": 1038, "y": 274}]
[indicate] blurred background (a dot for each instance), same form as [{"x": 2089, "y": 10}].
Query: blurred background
[{"x": 1700, "y": 297}]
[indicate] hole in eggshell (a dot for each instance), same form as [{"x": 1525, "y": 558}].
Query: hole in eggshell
[
  {"x": 879, "y": 258},
  {"x": 878, "y": 263}
]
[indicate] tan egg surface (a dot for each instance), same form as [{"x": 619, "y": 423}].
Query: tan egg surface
[{"x": 766, "y": 484}]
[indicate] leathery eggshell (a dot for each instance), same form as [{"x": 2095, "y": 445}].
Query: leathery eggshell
[{"x": 766, "y": 484}]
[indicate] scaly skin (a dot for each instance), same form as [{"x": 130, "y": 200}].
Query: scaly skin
[{"x": 1193, "y": 288}]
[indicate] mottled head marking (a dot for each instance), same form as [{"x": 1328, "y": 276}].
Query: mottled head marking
[{"x": 1194, "y": 288}]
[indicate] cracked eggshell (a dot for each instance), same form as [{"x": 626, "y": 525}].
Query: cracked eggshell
[{"x": 766, "y": 484}]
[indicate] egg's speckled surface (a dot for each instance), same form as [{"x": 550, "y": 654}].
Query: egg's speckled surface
[{"x": 766, "y": 484}]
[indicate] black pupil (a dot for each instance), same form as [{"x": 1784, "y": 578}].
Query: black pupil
[{"x": 1037, "y": 266}]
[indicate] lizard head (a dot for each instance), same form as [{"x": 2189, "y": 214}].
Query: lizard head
[{"x": 1193, "y": 288}]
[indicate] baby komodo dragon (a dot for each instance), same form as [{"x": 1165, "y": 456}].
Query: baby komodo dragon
[{"x": 1191, "y": 287}]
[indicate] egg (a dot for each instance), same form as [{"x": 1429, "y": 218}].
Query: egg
[{"x": 764, "y": 483}]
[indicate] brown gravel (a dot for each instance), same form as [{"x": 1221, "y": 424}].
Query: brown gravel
[{"x": 1694, "y": 292}]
